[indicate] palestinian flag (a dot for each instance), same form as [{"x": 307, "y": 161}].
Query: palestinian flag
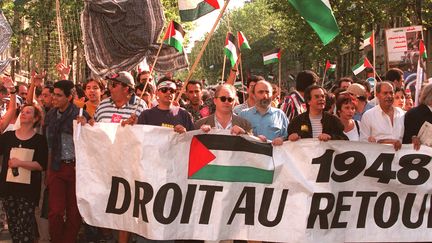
[
  {"x": 174, "y": 36},
  {"x": 368, "y": 40},
  {"x": 272, "y": 56},
  {"x": 422, "y": 50},
  {"x": 243, "y": 43},
  {"x": 231, "y": 159},
  {"x": 319, "y": 15},
  {"x": 191, "y": 10},
  {"x": 330, "y": 67},
  {"x": 362, "y": 65},
  {"x": 231, "y": 49}
]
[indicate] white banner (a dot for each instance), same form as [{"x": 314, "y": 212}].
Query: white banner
[{"x": 151, "y": 181}]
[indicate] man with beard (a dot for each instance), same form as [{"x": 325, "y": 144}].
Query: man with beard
[
  {"x": 315, "y": 122},
  {"x": 383, "y": 123},
  {"x": 268, "y": 123}
]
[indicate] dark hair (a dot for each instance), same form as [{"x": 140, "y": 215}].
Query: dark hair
[
  {"x": 365, "y": 84},
  {"x": 305, "y": 79},
  {"x": 80, "y": 91},
  {"x": 66, "y": 86},
  {"x": 50, "y": 87},
  {"x": 394, "y": 74},
  {"x": 254, "y": 78},
  {"x": 139, "y": 75},
  {"x": 308, "y": 91},
  {"x": 99, "y": 83},
  {"x": 149, "y": 88},
  {"x": 344, "y": 79},
  {"x": 3, "y": 90},
  {"x": 329, "y": 101},
  {"x": 37, "y": 114},
  {"x": 342, "y": 100},
  {"x": 193, "y": 82},
  {"x": 397, "y": 89},
  {"x": 38, "y": 91}
]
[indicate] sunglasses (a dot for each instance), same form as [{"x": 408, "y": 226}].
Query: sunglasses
[
  {"x": 165, "y": 89},
  {"x": 224, "y": 99}
]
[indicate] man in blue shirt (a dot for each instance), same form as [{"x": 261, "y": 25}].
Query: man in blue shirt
[{"x": 268, "y": 123}]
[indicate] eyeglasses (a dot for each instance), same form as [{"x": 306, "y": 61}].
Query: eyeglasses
[
  {"x": 165, "y": 89},
  {"x": 224, "y": 99}
]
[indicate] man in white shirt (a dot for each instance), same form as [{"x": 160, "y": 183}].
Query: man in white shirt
[{"x": 383, "y": 123}]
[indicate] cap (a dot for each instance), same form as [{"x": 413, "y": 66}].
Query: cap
[
  {"x": 357, "y": 89},
  {"x": 123, "y": 77},
  {"x": 166, "y": 84}
]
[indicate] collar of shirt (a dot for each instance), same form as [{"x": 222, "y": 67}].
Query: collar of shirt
[
  {"x": 430, "y": 107},
  {"x": 219, "y": 126},
  {"x": 270, "y": 110}
]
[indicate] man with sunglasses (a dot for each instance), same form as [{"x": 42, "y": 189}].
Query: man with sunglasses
[
  {"x": 122, "y": 103},
  {"x": 224, "y": 118},
  {"x": 165, "y": 114}
]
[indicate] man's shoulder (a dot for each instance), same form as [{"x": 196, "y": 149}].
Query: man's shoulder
[
  {"x": 248, "y": 111},
  {"x": 371, "y": 111}
]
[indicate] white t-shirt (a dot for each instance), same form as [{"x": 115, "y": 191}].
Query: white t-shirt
[{"x": 353, "y": 135}]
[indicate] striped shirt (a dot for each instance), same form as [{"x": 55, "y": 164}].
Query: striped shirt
[
  {"x": 108, "y": 112},
  {"x": 316, "y": 126}
]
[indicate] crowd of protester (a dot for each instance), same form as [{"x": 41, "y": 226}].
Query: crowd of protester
[{"x": 39, "y": 116}]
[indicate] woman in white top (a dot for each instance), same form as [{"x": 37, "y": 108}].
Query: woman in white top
[{"x": 345, "y": 109}]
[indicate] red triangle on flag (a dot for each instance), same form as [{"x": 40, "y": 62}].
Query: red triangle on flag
[
  {"x": 367, "y": 63},
  {"x": 328, "y": 65},
  {"x": 199, "y": 156},
  {"x": 213, "y": 3}
]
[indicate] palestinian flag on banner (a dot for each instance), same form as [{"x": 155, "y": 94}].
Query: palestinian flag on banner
[
  {"x": 231, "y": 49},
  {"x": 422, "y": 50},
  {"x": 231, "y": 159},
  {"x": 191, "y": 10},
  {"x": 174, "y": 36},
  {"x": 243, "y": 43},
  {"x": 362, "y": 65},
  {"x": 272, "y": 56},
  {"x": 330, "y": 67},
  {"x": 368, "y": 40},
  {"x": 319, "y": 15}
]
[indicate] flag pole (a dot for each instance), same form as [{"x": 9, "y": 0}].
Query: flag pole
[
  {"x": 418, "y": 82},
  {"x": 373, "y": 68},
  {"x": 280, "y": 76},
  {"x": 325, "y": 72},
  {"x": 224, "y": 64},
  {"x": 241, "y": 74},
  {"x": 202, "y": 50},
  {"x": 241, "y": 67},
  {"x": 373, "y": 54},
  {"x": 223, "y": 68}
]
